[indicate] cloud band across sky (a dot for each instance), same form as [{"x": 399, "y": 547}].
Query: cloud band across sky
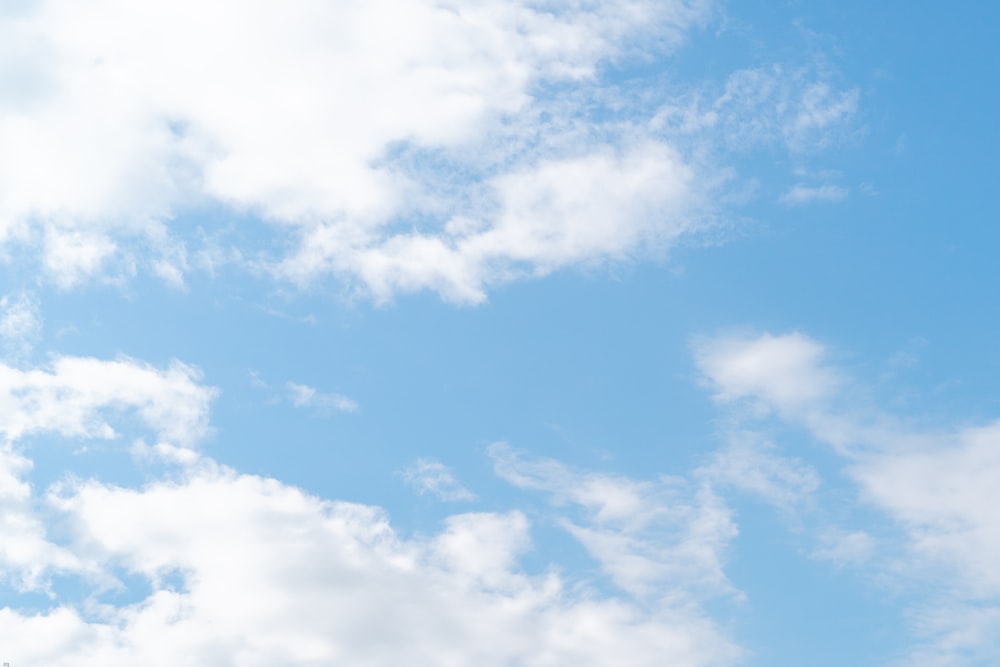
[{"x": 389, "y": 147}]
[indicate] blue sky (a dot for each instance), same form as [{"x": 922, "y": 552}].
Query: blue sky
[{"x": 498, "y": 333}]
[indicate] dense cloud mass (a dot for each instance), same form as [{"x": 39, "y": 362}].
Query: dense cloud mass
[
  {"x": 393, "y": 147},
  {"x": 245, "y": 570},
  {"x": 270, "y": 574}
]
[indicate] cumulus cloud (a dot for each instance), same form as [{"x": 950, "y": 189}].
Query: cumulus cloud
[
  {"x": 937, "y": 486},
  {"x": 389, "y": 147},
  {"x": 801, "y": 194},
  {"x": 219, "y": 567},
  {"x": 603, "y": 205},
  {"x": 944, "y": 491},
  {"x": 79, "y": 398},
  {"x": 75, "y": 396},
  {"x": 27, "y": 557}
]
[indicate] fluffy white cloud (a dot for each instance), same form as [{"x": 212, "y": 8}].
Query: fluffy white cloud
[
  {"x": 805, "y": 194},
  {"x": 603, "y": 205},
  {"x": 248, "y": 571},
  {"x": 119, "y": 117},
  {"x": 799, "y": 109},
  {"x": 939, "y": 487},
  {"x": 391, "y": 146},
  {"x": 20, "y": 323},
  {"x": 944, "y": 490},
  {"x": 74, "y": 397},
  {"x": 244, "y": 570},
  {"x": 782, "y": 372}
]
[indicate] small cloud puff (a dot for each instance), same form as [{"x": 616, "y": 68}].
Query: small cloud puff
[
  {"x": 427, "y": 476},
  {"x": 304, "y": 396},
  {"x": 493, "y": 122},
  {"x": 808, "y": 194},
  {"x": 936, "y": 486},
  {"x": 20, "y": 323},
  {"x": 241, "y": 565}
]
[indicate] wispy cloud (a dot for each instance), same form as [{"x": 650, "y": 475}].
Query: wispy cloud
[
  {"x": 304, "y": 396},
  {"x": 937, "y": 486},
  {"x": 75, "y": 396},
  {"x": 20, "y": 323},
  {"x": 427, "y": 476},
  {"x": 800, "y": 194}
]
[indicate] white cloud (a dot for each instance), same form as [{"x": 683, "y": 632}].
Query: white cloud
[
  {"x": 391, "y": 147},
  {"x": 845, "y": 547},
  {"x": 484, "y": 547},
  {"x": 806, "y": 194},
  {"x": 822, "y": 107},
  {"x": 749, "y": 463},
  {"x": 603, "y": 205},
  {"x": 956, "y": 634},
  {"x": 937, "y": 486},
  {"x": 944, "y": 491},
  {"x": 434, "y": 477},
  {"x": 20, "y": 323},
  {"x": 26, "y": 555},
  {"x": 653, "y": 538},
  {"x": 292, "y": 112},
  {"x": 78, "y": 397},
  {"x": 75, "y": 397},
  {"x": 800, "y": 109},
  {"x": 71, "y": 255},
  {"x": 248, "y": 571},
  {"x": 304, "y": 396},
  {"x": 245, "y": 570},
  {"x": 782, "y": 372}
]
